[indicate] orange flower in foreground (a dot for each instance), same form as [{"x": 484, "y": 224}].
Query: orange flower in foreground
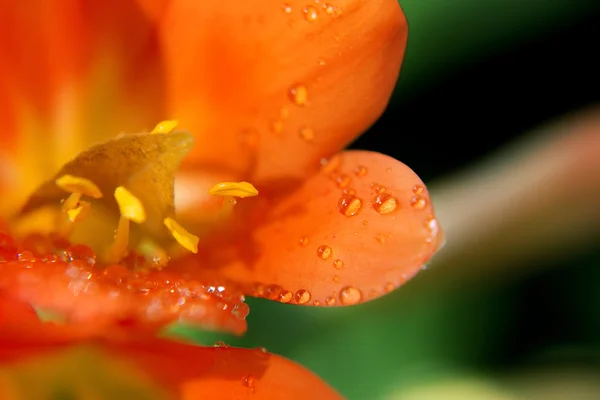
[
  {"x": 115, "y": 366},
  {"x": 268, "y": 91}
]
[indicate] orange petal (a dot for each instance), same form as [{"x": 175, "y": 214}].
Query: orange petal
[
  {"x": 62, "y": 278},
  {"x": 361, "y": 227},
  {"x": 270, "y": 87},
  {"x": 69, "y": 77}
]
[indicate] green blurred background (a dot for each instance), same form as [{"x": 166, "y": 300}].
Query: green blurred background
[{"x": 477, "y": 75}]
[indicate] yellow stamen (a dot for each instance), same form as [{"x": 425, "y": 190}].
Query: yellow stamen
[
  {"x": 236, "y": 189},
  {"x": 130, "y": 206},
  {"x": 183, "y": 237},
  {"x": 119, "y": 247},
  {"x": 71, "y": 202},
  {"x": 78, "y": 214},
  {"x": 75, "y": 184},
  {"x": 167, "y": 126}
]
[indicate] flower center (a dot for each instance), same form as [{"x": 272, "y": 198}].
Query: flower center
[{"x": 139, "y": 171}]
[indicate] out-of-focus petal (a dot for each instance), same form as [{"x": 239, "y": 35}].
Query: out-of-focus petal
[
  {"x": 43, "y": 272},
  {"x": 360, "y": 228},
  {"x": 269, "y": 87},
  {"x": 70, "y": 76}
]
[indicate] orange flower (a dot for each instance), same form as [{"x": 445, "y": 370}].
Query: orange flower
[
  {"x": 269, "y": 91},
  {"x": 99, "y": 365}
]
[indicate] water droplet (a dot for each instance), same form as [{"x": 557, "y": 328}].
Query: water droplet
[
  {"x": 332, "y": 164},
  {"x": 241, "y": 310},
  {"x": 303, "y": 242},
  {"x": 302, "y": 296},
  {"x": 365, "y": 222},
  {"x": 384, "y": 203},
  {"x": 277, "y": 126},
  {"x": 330, "y": 301},
  {"x": 324, "y": 252},
  {"x": 335, "y": 278},
  {"x": 418, "y": 189},
  {"x": 418, "y": 202},
  {"x": 286, "y": 8},
  {"x": 79, "y": 252},
  {"x": 306, "y": 134},
  {"x": 285, "y": 297},
  {"x": 377, "y": 188},
  {"x": 321, "y": 61},
  {"x": 310, "y": 13},
  {"x": 262, "y": 349},
  {"x": 388, "y": 287},
  {"x": 349, "y": 191},
  {"x": 222, "y": 344},
  {"x": 343, "y": 181},
  {"x": 361, "y": 170},
  {"x": 349, "y": 205},
  {"x": 388, "y": 169},
  {"x": 338, "y": 264},
  {"x": 249, "y": 381},
  {"x": 373, "y": 293},
  {"x": 350, "y": 295},
  {"x": 299, "y": 95},
  {"x": 317, "y": 303},
  {"x": 380, "y": 238}
]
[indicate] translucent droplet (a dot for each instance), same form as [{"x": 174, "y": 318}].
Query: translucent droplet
[
  {"x": 343, "y": 181},
  {"x": 316, "y": 302},
  {"x": 249, "y": 381},
  {"x": 418, "y": 189},
  {"x": 361, "y": 170},
  {"x": 332, "y": 164},
  {"x": 302, "y": 296},
  {"x": 299, "y": 95},
  {"x": 349, "y": 191},
  {"x": 388, "y": 169},
  {"x": 330, "y": 301},
  {"x": 335, "y": 278},
  {"x": 303, "y": 242},
  {"x": 388, "y": 287},
  {"x": 338, "y": 264},
  {"x": 241, "y": 310},
  {"x": 350, "y": 295},
  {"x": 377, "y": 188},
  {"x": 349, "y": 205},
  {"x": 285, "y": 297},
  {"x": 384, "y": 203},
  {"x": 321, "y": 61},
  {"x": 306, "y": 134},
  {"x": 277, "y": 126},
  {"x": 324, "y": 252},
  {"x": 418, "y": 202},
  {"x": 310, "y": 13},
  {"x": 365, "y": 222},
  {"x": 221, "y": 344}
]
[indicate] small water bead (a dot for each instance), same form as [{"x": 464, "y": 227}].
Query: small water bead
[
  {"x": 310, "y": 13},
  {"x": 241, "y": 310},
  {"x": 302, "y": 296},
  {"x": 379, "y": 189},
  {"x": 335, "y": 278},
  {"x": 317, "y": 303},
  {"x": 321, "y": 61},
  {"x": 365, "y": 222},
  {"x": 306, "y": 134},
  {"x": 343, "y": 181},
  {"x": 388, "y": 169},
  {"x": 277, "y": 126},
  {"x": 303, "y": 242},
  {"x": 349, "y": 205},
  {"x": 299, "y": 95},
  {"x": 287, "y": 8},
  {"x": 384, "y": 203},
  {"x": 249, "y": 381},
  {"x": 272, "y": 292},
  {"x": 285, "y": 297},
  {"x": 418, "y": 202},
  {"x": 330, "y": 301},
  {"x": 388, "y": 287},
  {"x": 79, "y": 252},
  {"x": 350, "y": 296},
  {"x": 349, "y": 191},
  {"x": 360, "y": 171},
  {"x": 324, "y": 252},
  {"x": 380, "y": 238},
  {"x": 338, "y": 264},
  {"x": 221, "y": 344},
  {"x": 418, "y": 189}
]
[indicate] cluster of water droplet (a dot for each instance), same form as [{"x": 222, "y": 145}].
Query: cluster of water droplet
[{"x": 48, "y": 269}]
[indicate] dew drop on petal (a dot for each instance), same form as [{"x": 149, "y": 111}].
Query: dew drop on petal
[
  {"x": 306, "y": 134},
  {"x": 241, "y": 310},
  {"x": 377, "y": 188},
  {"x": 343, "y": 181},
  {"x": 310, "y": 13},
  {"x": 299, "y": 95},
  {"x": 249, "y": 381},
  {"x": 350, "y": 295},
  {"x": 338, "y": 264},
  {"x": 285, "y": 296},
  {"x": 324, "y": 252},
  {"x": 303, "y": 241},
  {"x": 365, "y": 222},
  {"x": 349, "y": 205},
  {"x": 384, "y": 203},
  {"x": 302, "y": 296},
  {"x": 388, "y": 287},
  {"x": 418, "y": 189},
  {"x": 287, "y": 8},
  {"x": 316, "y": 302},
  {"x": 330, "y": 301},
  {"x": 335, "y": 278},
  {"x": 222, "y": 344},
  {"x": 360, "y": 171},
  {"x": 418, "y": 202}
]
